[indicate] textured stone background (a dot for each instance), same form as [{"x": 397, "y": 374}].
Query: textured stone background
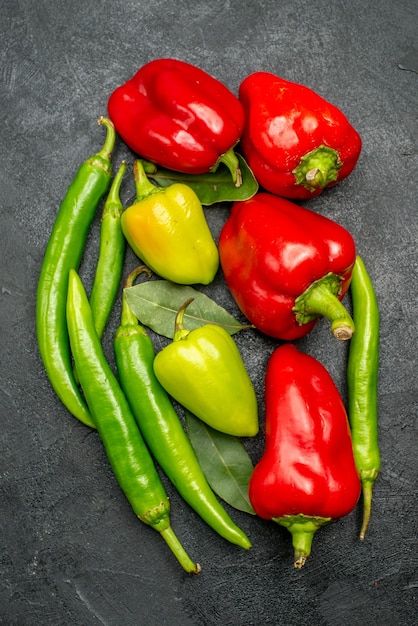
[{"x": 71, "y": 551}]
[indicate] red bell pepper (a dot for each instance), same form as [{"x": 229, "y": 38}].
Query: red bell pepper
[
  {"x": 295, "y": 142},
  {"x": 178, "y": 116},
  {"x": 307, "y": 475},
  {"x": 286, "y": 265}
]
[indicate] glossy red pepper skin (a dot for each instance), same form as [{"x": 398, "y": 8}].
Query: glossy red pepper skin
[
  {"x": 274, "y": 253},
  {"x": 176, "y": 115},
  {"x": 295, "y": 142},
  {"x": 307, "y": 475}
]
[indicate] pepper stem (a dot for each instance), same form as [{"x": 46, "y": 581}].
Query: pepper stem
[
  {"x": 179, "y": 552},
  {"x": 318, "y": 168},
  {"x": 109, "y": 143},
  {"x": 302, "y": 528},
  {"x": 158, "y": 517},
  {"x": 179, "y": 331},
  {"x": 320, "y": 299},
  {"x": 127, "y": 317},
  {"x": 230, "y": 159},
  {"x": 143, "y": 185}
]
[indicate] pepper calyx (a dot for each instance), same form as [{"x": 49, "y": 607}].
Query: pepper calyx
[
  {"x": 158, "y": 516},
  {"x": 321, "y": 299},
  {"x": 144, "y": 187},
  {"x": 318, "y": 168},
  {"x": 302, "y": 528}
]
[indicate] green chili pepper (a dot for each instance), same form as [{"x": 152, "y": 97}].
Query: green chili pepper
[
  {"x": 362, "y": 382},
  {"x": 63, "y": 252},
  {"x": 161, "y": 426},
  {"x": 111, "y": 255},
  {"x": 126, "y": 450}
]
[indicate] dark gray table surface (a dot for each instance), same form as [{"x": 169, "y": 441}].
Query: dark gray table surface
[{"x": 71, "y": 549}]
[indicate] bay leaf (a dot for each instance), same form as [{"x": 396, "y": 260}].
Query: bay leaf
[
  {"x": 155, "y": 304},
  {"x": 211, "y": 187},
  {"x": 224, "y": 461}
]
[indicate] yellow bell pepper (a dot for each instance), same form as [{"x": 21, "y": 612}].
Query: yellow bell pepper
[{"x": 168, "y": 231}]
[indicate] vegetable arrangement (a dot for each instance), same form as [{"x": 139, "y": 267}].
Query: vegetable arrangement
[{"x": 195, "y": 144}]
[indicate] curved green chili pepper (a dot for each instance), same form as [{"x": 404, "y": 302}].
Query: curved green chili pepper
[
  {"x": 362, "y": 379},
  {"x": 111, "y": 255},
  {"x": 63, "y": 252},
  {"x": 125, "y": 448},
  {"x": 160, "y": 424}
]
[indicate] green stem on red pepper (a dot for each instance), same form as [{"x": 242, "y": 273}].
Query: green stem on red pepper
[
  {"x": 320, "y": 299},
  {"x": 318, "y": 169},
  {"x": 230, "y": 159},
  {"x": 302, "y": 528}
]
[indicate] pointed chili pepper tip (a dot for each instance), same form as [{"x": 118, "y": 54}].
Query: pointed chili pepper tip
[
  {"x": 367, "y": 481},
  {"x": 367, "y": 505}
]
